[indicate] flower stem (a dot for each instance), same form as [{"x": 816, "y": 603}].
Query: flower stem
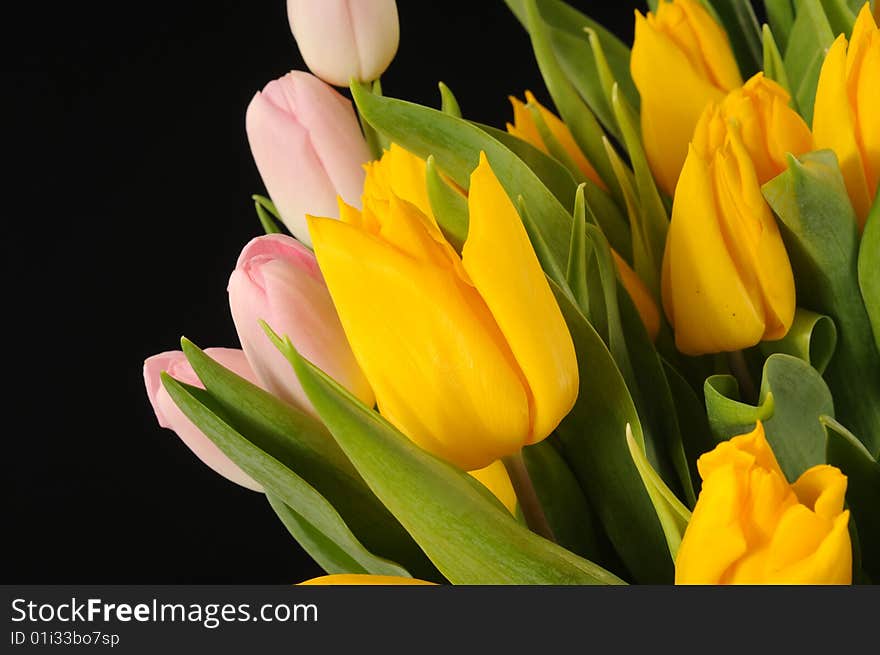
[
  {"x": 525, "y": 494},
  {"x": 740, "y": 369}
]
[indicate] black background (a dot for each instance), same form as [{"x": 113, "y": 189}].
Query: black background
[{"x": 127, "y": 195}]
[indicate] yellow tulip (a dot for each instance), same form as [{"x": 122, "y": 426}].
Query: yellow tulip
[
  {"x": 681, "y": 61},
  {"x": 726, "y": 282},
  {"x": 845, "y": 116},
  {"x": 641, "y": 297},
  {"x": 469, "y": 356},
  {"x": 769, "y": 127},
  {"x": 525, "y": 128},
  {"x": 750, "y": 526},
  {"x": 363, "y": 579}
]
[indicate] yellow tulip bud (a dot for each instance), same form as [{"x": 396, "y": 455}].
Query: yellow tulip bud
[
  {"x": 750, "y": 526},
  {"x": 845, "y": 116},
  {"x": 524, "y": 127},
  {"x": 641, "y": 297},
  {"x": 769, "y": 127},
  {"x": 363, "y": 579},
  {"x": 726, "y": 282},
  {"x": 468, "y": 356},
  {"x": 681, "y": 61}
]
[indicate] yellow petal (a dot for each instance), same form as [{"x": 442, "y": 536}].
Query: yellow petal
[
  {"x": 673, "y": 94},
  {"x": 407, "y": 175},
  {"x": 500, "y": 260},
  {"x": 429, "y": 346},
  {"x": 524, "y": 126},
  {"x": 495, "y": 478},
  {"x": 640, "y": 295},
  {"x": 563, "y": 135},
  {"x": 714, "y": 311},
  {"x": 868, "y": 110},
  {"x": 834, "y": 126},
  {"x": 714, "y": 45},
  {"x": 363, "y": 579},
  {"x": 713, "y": 540},
  {"x": 753, "y": 237},
  {"x": 829, "y": 564},
  {"x": 822, "y": 488}
]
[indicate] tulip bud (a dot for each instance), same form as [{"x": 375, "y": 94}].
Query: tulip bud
[
  {"x": 344, "y": 39},
  {"x": 308, "y": 147},
  {"x": 172, "y": 417},
  {"x": 727, "y": 282},
  {"x": 750, "y": 526},
  {"x": 769, "y": 127},
  {"x": 363, "y": 579},
  {"x": 525, "y": 128},
  {"x": 846, "y": 110},
  {"x": 681, "y": 61},
  {"x": 277, "y": 281},
  {"x": 469, "y": 356}
]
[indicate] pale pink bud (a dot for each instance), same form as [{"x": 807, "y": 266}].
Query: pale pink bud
[
  {"x": 277, "y": 280},
  {"x": 308, "y": 147},
  {"x": 172, "y": 417},
  {"x": 344, "y": 39}
]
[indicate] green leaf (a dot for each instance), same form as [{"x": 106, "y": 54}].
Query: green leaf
[
  {"x": 265, "y": 212},
  {"x": 456, "y": 146},
  {"x": 449, "y": 206},
  {"x": 327, "y": 537},
  {"x": 674, "y": 517},
  {"x": 812, "y": 338},
  {"x": 869, "y": 265},
  {"x": 808, "y": 41},
  {"x": 862, "y": 491},
  {"x": 652, "y": 221},
  {"x": 840, "y": 16},
  {"x": 562, "y": 18},
  {"x": 556, "y": 177},
  {"x": 780, "y": 15},
  {"x": 449, "y": 104},
  {"x": 301, "y": 443},
  {"x": 592, "y": 445},
  {"x": 572, "y": 520},
  {"x": 793, "y": 397},
  {"x": 578, "y": 117},
  {"x": 552, "y": 144},
  {"x": 818, "y": 225},
  {"x": 578, "y": 254},
  {"x": 470, "y": 538},
  {"x": 375, "y": 142},
  {"x": 739, "y": 21},
  {"x": 693, "y": 423},
  {"x": 774, "y": 68}
]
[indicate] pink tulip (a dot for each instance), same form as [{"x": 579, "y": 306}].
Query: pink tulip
[
  {"x": 172, "y": 417},
  {"x": 277, "y": 280},
  {"x": 344, "y": 39},
  {"x": 308, "y": 147}
]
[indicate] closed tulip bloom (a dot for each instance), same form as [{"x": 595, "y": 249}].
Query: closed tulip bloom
[
  {"x": 750, "y": 526},
  {"x": 769, "y": 127},
  {"x": 469, "y": 356},
  {"x": 681, "y": 61},
  {"x": 344, "y": 39},
  {"x": 277, "y": 281},
  {"x": 727, "y": 281},
  {"x": 363, "y": 579},
  {"x": 524, "y": 127},
  {"x": 172, "y": 417},
  {"x": 846, "y": 110},
  {"x": 308, "y": 147}
]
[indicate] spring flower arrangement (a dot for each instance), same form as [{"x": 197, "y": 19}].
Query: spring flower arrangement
[{"x": 634, "y": 339}]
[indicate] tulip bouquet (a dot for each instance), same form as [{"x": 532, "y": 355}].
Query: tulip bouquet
[{"x": 637, "y": 341}]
